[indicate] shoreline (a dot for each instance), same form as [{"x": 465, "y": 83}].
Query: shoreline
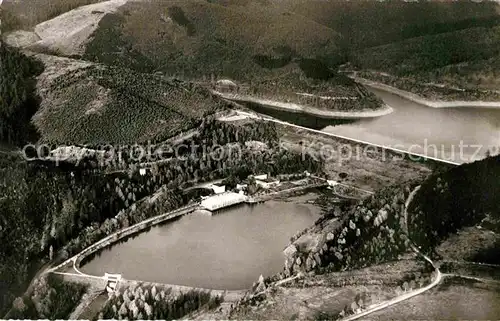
[
  {"x": 426, "y": 102},
  {"x": 295, "y": 108}
]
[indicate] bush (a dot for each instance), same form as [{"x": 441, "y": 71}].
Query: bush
[
  {"x": 147, "y": 302},
  {"x": 52, "y": 298}
]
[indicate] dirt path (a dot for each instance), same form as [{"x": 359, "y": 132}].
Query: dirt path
[
  {"x": 423, "y": 101},
  {"x": 296, "y": 108}
]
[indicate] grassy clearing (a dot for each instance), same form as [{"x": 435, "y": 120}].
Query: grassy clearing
[{"x": 455, "y": 299}]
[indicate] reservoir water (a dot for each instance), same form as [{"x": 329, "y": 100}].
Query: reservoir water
[
  {"x": 458, "y": 134},
  {"x": 228, "y": 250}
]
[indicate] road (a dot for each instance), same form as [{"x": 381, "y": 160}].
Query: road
[
  {"x": 345, "y": 185},
  {"x": 437, "y": 279}
]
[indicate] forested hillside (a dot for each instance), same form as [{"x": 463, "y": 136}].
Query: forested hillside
[
  {"x": 367, "y": 23},
  {"x": 18, "y": 100},
  {"x": 97, "y": 104},
  {"x": 198, "y": 39},
  {"x": 455, "y": 199}
]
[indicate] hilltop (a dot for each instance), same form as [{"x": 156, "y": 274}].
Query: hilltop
[
  {"x": 459, "y": 65},
  {"x": 441, "y": 50},
  {"x": 25, "y": 15},
  {"x": 198, "y": 39}
]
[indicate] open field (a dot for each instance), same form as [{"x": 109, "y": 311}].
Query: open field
[
  {"x": 324, "y": 296},
  {"x": 468, "y": 244},
  {"x": 371, "y": 170},
  {"x": 454, "y": 299},
  {"x": 20, "y": 14}
]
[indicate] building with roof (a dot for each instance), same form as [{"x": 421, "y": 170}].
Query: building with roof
[
  {"x": 266, "y": 183},
  {"x": 260, "y": 177},
  {"x": 218, "y": 201},
  {"x": 226, "y": 85}
]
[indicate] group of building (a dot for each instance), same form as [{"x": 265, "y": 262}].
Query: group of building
[{"x": 223, "y": 198}]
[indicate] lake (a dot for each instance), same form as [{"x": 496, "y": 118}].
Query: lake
[
  {"x": 435, "y": 132},
  {"x": 228, "y": 250}
]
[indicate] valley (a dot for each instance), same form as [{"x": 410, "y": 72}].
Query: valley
[{"x": 233, "y": 159}]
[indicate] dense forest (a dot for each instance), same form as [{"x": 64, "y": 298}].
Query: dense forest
[
  {"x": 463, "y": 197},
  {"x": 18, "y": 100},
  {"x": 108, "y": 105},
  {"x": 338, "y": 93},
  {"x": 370, "y": 232}
]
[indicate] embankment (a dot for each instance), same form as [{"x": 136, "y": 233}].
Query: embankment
[
  {"x": 426, "y": 102},
  {"x": 295, "y": 108},
  {"x": 229, "y": 295}
]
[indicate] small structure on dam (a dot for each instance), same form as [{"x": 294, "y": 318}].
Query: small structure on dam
[
  {"x": 216, "y": 202},
  {"x": 112, "y": 281}
]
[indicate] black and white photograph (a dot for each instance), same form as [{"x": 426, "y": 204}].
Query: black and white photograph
[{"x": 323, "y": 160}]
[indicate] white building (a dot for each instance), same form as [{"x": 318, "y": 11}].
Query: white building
[
  {"x": 256, "y": 145},
  {"x": 267, "y": 183},
  {"x": 218, "y": 189},
  {"x": 261, "y": 177},
  {"x": 332, "y": 183},
  {"x": 226, "y": 85},
  {"x": 241, "y": 187},
  {"x": 219, "y": 201}
]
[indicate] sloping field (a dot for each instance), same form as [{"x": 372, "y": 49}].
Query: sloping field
[
  {"x": 24, "y": 15},
  {"x": 85, "y": 103},
  {"x": 68, "y": 33}
]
